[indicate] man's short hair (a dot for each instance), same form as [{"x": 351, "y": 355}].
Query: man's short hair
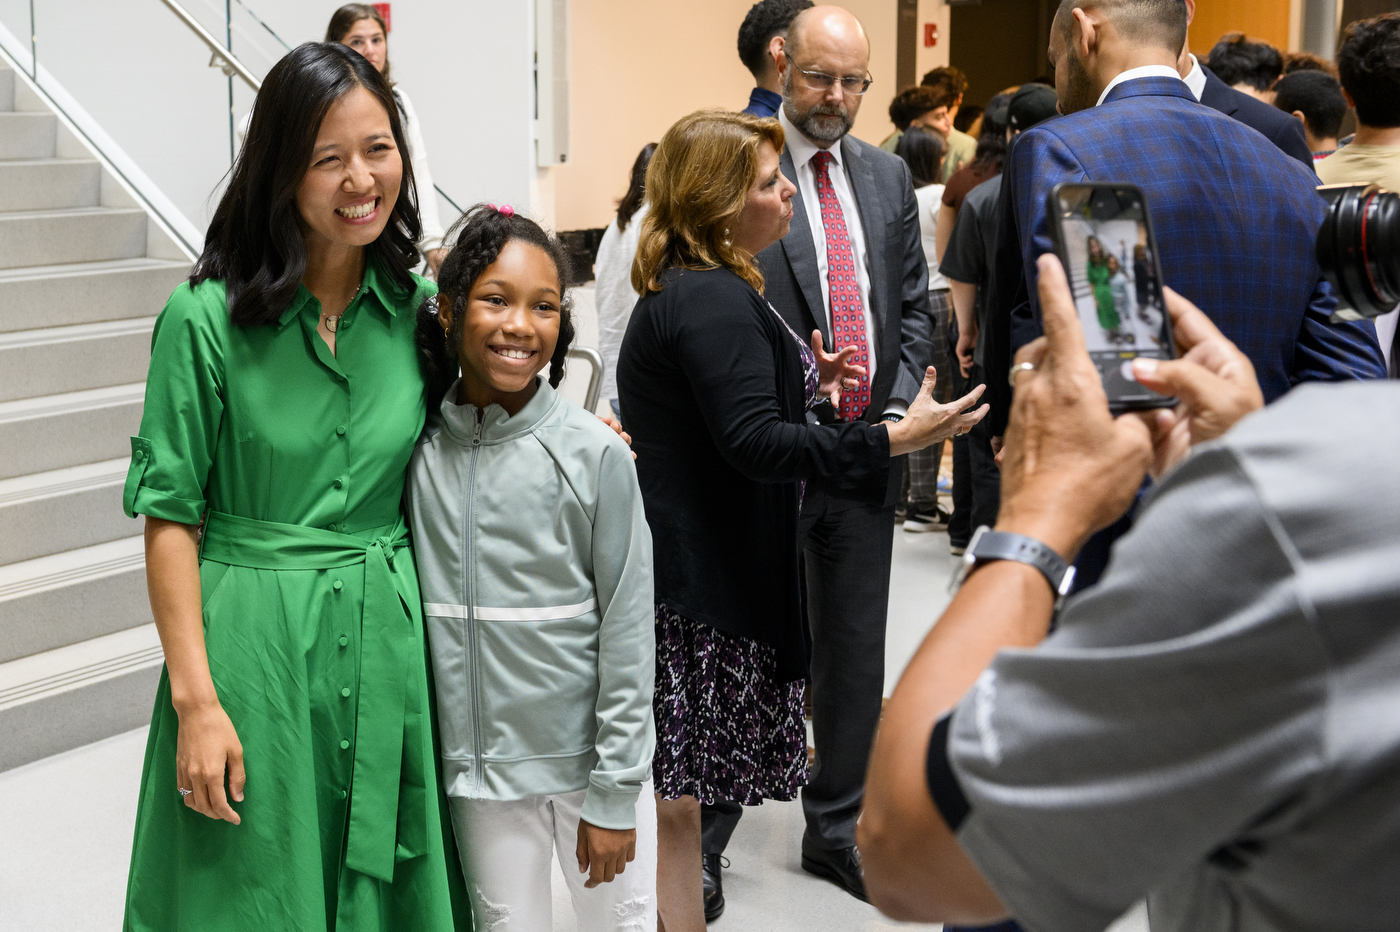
[
  {"x": 1369, "y": 62},
  {"x": 1157, "y": 23},
  {"x": 766, "y": 19},
  {"x": 913, "y": 102},
  {"x": 1306, "y": 61},
  {"x": 948, "y": 81},
  {"x": 1318, "y": 96},
  {"x": 1236, "y": 59}
]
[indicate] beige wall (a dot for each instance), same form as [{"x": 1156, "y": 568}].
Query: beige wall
[{"x": 639, "y": 65}]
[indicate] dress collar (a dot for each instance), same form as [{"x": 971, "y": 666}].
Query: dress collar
[
  {"x": 800, "y": 147},
  {"x": 496, "y": 425},
  {"x": 377, "y": 284}
]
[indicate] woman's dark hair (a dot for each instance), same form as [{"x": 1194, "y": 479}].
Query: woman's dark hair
[
  {"x": 991, "y": 143},
  {"x": 967, "y": 115},
  {"x": 345, "y": 18},
  {"x": 636, "y": 188},
  {"x": 922, "y": 150},
  {"x": 254, "y": 243},
  {"x": 1236, "y": 59},
  {"x": 480, "y": 234}
]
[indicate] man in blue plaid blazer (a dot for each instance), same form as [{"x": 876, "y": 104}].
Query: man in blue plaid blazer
[{"x": 1236, "y": 218}]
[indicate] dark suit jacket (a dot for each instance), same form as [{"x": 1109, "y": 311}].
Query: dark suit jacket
[
  {"x": 1281, "y": 129},
  {"x": 1236, "y": 223},
  {"x": 898, "y": 274}
]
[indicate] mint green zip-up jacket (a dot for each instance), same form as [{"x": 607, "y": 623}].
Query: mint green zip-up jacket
[{"x": 536, "y": 568}]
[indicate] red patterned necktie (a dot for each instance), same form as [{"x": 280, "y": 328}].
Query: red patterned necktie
[{"x": 847, "y": 308}]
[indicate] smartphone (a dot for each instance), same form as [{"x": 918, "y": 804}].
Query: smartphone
[{"x": 1105, "y": 241}]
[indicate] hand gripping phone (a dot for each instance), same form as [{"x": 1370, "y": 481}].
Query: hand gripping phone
[{"x": 1105, "y": 241}]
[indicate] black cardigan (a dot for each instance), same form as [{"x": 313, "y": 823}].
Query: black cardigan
[{"x": 711, "y": 388}]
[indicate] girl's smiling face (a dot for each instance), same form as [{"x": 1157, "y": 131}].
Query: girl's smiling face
[{"x": 509, "y": 329}]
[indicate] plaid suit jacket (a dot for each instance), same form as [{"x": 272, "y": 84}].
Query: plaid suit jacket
[{"x": 1236, "y": 222}]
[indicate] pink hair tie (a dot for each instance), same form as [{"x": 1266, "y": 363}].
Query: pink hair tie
[{"x": 505, "y": 210}]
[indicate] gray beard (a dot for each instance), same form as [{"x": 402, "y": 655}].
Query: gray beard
[{"x": 818, "y": 124}]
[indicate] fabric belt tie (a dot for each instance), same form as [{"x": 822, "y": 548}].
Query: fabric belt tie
[{"x": 388, "y": 646}]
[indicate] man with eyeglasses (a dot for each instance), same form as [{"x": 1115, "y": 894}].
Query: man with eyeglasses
[{"x": 853, "y": 267}]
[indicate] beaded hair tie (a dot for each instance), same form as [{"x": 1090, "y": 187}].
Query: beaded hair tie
[{"x": 505, "y": 210}]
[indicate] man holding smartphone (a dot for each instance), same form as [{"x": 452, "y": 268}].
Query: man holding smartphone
[{"x": 1211, "y": 728}]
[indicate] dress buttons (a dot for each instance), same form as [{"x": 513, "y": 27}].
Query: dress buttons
[
  {"x": 345, "y": 692},
  {"x": 337, "y": 584},
  {"x": 344, "y": 744},
  {"x": 340, "y": 431},
  {"x": 338, "y": 483},
  {"x": 333, "y": 527},
  {"x": 344, "y": 793},
  {"x": 344, "y": 640},
  {"x": 140, "y": 455}
]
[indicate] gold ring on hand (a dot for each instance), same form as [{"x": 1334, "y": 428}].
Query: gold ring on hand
[{"x": 1017, "y": 370}]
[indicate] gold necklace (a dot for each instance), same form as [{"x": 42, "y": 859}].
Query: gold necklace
[{"x": 333, "y": 320}]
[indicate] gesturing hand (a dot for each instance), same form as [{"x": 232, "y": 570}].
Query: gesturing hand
[
  {"x": 927, "y": 422},
  {"x": 835, "y": 371},
  {"x": 205, "y": 748},
  {"x": 603, "y": 853},
  {"x": 1068, "y": 466},
  {"x": 1214, "y": 380}
]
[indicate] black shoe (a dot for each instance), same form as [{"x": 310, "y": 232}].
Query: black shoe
[
  {"x": 713, "y": 884},
  {"x": 841, "y": 866}
]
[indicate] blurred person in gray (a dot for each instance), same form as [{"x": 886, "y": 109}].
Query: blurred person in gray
[
  {"x": 612, "y": 273},
  {"x": 1211, "y": 727}
]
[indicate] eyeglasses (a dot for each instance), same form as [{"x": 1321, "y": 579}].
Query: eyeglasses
[{"x": 819, "y": 81}]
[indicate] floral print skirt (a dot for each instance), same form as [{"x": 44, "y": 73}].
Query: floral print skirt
[{"x": 725, "y": 728}]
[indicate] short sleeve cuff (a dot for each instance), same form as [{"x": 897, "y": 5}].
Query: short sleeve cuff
[
  {"x": 943, "y": 784},
  {"x": 139, "y": 498}
]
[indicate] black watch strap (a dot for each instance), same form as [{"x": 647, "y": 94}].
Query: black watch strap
[{"x": 988, "y": 545}]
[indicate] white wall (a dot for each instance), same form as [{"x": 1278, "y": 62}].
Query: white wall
[{"x": 468, "y": 65}]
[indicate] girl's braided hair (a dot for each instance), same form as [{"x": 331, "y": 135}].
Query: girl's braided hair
[{"x": 480, "y": 234}]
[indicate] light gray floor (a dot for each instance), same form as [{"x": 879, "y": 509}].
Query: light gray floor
[{"x": 66, "y": 822}]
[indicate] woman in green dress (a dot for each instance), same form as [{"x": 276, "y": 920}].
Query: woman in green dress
[
  {"x": 290, "y": 781},
  {"x": 1098, "y": 274}
]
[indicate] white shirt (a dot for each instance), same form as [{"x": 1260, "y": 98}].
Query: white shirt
[
  {"x": 1146, "y": 71},
  {"x": 422, "y": 178},
  {"x": 802, "y": 149},
  {"x": 1195, "y": 79},
  {"x": 614, "y": 294},
  {"x": 930, "y": 198}
]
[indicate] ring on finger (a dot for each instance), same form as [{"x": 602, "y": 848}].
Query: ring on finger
[
  {"x": 1017, "y": 370},
  {"x": 183, "y": 792}
]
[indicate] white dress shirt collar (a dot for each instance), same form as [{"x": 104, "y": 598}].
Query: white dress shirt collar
[
  {"x": 1146, "y": 71},
  {"x": 800, "y": 147},
  {"x": 1196, "y": 79}
]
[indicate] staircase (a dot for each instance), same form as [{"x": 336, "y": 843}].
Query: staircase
[{"x": 83, "y": 271}]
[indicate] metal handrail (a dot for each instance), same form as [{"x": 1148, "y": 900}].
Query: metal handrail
[
  {"x": 595, "y": 380},
  {"x": 231, "y": 66}
]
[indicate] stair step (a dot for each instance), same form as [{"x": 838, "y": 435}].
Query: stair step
[
  {"x": 69, "y": 597},
  {"x": 49, "y": 184},
  {"x": 7, "y": 89},
  {"x": 71, "y": 696},
  {"x": 80, "y": 234},
  {"x": 27, "y": 135},
  {"x": 40, "y": 434},
  {"x": 63, "y": 509},
  {"x": 86, "y": 292},
  {"x": 67, "y": 359}
]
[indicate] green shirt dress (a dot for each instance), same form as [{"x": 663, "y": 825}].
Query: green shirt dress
[{"x": 294, "y": 458}]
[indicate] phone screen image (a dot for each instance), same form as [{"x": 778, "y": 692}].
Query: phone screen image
[{"x": 1111, "y": 263}]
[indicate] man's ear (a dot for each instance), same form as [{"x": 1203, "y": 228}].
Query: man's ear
[
  {"x": 1301, "y": 119},
  {"x": 776, "y": 48},
  {"x": 1087, "y": 38}
]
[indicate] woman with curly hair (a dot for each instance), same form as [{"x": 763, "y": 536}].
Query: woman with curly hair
[{"x": 716, "y": 390}]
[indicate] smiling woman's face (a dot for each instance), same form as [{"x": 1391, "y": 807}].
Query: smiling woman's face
[{"x": 352, "y": 183}]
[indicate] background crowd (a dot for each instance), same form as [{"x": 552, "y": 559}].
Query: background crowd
[{"x": 605, "y": 662}]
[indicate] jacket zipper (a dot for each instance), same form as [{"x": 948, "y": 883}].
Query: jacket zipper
[{"x": 473, "y": 646}]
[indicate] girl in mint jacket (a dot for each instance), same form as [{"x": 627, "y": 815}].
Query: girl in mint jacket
[{"x": 535, "y": 564}]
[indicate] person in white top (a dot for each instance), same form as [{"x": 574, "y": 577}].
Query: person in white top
[
  {"x": 924, "y": 151},
  {"x": 613, "y": 273},
  {"x": 361, "y": 27}
]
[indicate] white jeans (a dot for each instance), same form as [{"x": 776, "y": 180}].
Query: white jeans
[{"x": 507, "y": 848}]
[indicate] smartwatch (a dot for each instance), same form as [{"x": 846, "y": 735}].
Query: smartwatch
[
  {"x": 893, "y": 418},
  {"x": 988, "y": 545}
]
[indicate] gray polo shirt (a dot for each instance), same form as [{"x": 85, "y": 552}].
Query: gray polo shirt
[{"x": 1216, "y": 724}]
